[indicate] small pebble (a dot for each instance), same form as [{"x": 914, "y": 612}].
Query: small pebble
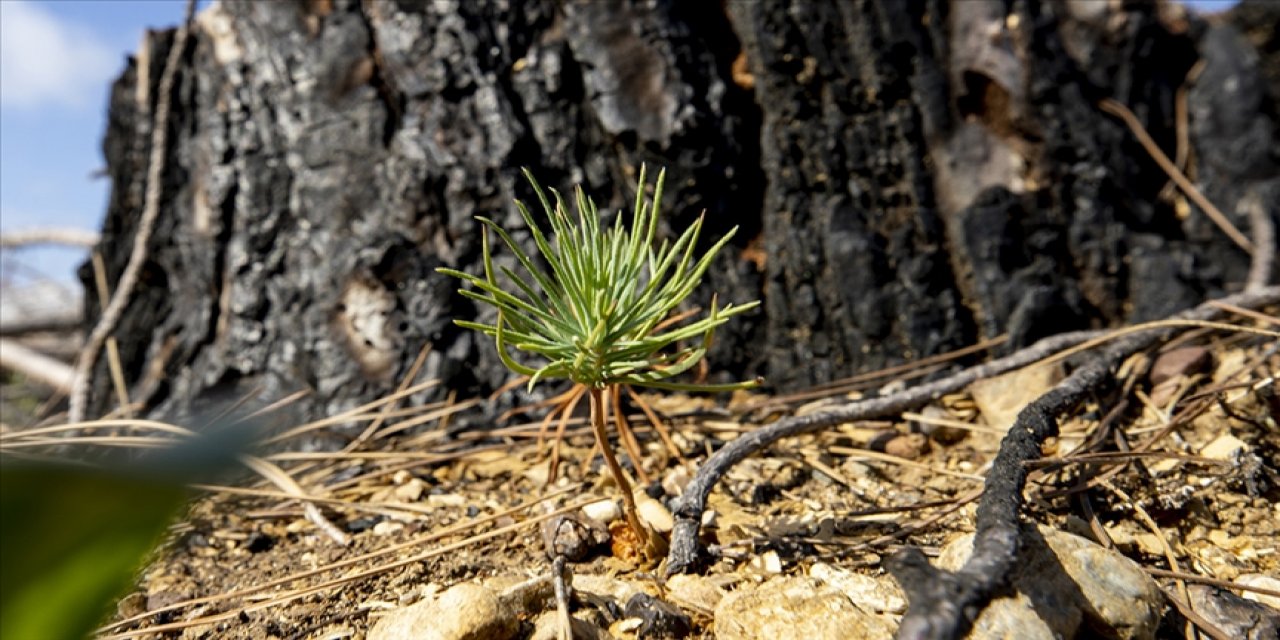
[
  {"x": 694, "y": 591},
  {"x": 659, "y": 619},
  {"x": 909, "y": 446},
  {"x": 387, "y": 527},
  {"x": 446, "y": 500},
  {"x": 674, "y": 482},
  {"x": 547, "y": 627},
  {"x": 410, "y": 491},
  {"x": 1262, "y": 582},
  {"x": 941, "y": 433},
  {"x": 1183, "y": 361},
  {"x": 794, "y": 608},
  {"x": 463, "y": 612},
  {"x": 132, "y": 605},
  {"x": 881, "y": 595},
  {"x": 1223, "y": 447},
  {"x": 768, "y": 563},
  {"x": 604, "y": 511},
  {"x": 572, "y": 536},
  {"x": 654, "y": 514}
]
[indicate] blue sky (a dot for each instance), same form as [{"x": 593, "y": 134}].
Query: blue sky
[{"x": 57, "y": 61}]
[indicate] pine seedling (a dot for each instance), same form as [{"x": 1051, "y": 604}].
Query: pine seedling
[{"x": 601, "y": 313}]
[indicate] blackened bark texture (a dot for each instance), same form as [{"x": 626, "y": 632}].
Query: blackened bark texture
[
  {"x": 329, "y": 155},
  {"x": 908, "y": 177}
]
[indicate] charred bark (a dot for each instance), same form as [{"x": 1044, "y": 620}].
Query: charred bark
[{"x": 909, "y": 177}]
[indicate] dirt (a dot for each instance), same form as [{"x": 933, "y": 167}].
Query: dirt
[{"x": 808, "y": 499}]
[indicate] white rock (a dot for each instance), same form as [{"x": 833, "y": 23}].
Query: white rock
[
  {"x": 768, "y": 562},
  {"x": 1223, "y": 447},
  {"x": 654, "y": 514},
  {"x": 410, "y": 490},
  {"x": 1263, "y": 582},
  {"x": 794, "y": 608},
  {"x": 604, "y": 511},
  {"x": 446, "y": 500},
  {"x": 387, "y": 527},
  {"x": 709, "y": 519},
  {"x": 879, "y": 595},
  {"x": 537, "y": 474},
  {"x": 463, "y": 612}
]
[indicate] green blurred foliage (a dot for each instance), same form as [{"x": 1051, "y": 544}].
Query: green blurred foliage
[{"x": 71, "y": 540}]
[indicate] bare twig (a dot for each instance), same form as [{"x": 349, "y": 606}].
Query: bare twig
[
  {"x": 942, "y": 603},
  {"x": 112, "y": 312},
  {"x": 561, "y": 579},
  {"x": 386, "y": 408},
  {"x": 349, "y": 578},
  {"x": 871, "y": 379},
  {"x": 49, "y": 235},
  {"x": 1184, "y": 607},
  {"x": 688, "y": 509},
  {"x": 1120, "y": 111},
  {"x": 278, "y": 477},
  {"x": 35, "y": 365},
  {"x": 39, "y": 308},
  {"x": 1182, "y": 150},
  {"x": 113, "y": 348},
  {"x": 1224, "y": 584},
  {"x": 1264, "y": 239}
]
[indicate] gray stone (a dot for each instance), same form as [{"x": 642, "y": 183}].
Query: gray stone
[
  {"x": 1233, "y": 615},
  {"x": 696, "y": 592},
  {"x": 659, "y": 619},
  {"x": 794, "y": 608},
  {"x": 1063, "y": 581},
  {"x": 547, "y": 627},
  {"x": 879, "y": 594}
]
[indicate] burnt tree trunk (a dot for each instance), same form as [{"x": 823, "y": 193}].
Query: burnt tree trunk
[{"x": 909, "y": 177}]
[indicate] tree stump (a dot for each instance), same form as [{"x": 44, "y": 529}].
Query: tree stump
[{"x": 909, "y": 177}]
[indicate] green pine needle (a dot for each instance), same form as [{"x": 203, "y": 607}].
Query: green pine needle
[{"x": 592, "y": 318}]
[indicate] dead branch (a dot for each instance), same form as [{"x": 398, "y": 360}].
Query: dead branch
[
  {"x": 49, "y": 235},
  {"x": 1264, "y": 239},
  {"x": 35, "y": 365},
  {"x": 943, "y": 604},
  {"x": 40, "y": 307},
  {"x": 1120, "y": 111},
  {"x": 685, "y": 552},
  {"x": 684, "y": 555},
  {"x": 150, "y": 212},
  {"x": 54, "y": 320}
]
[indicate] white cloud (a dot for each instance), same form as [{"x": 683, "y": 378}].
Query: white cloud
[{"x": 47, "y": 62}]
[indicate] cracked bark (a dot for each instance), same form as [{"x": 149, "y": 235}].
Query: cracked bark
[{"x": 909, "y": 177}]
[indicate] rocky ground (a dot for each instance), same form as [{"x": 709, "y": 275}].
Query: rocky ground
[{"x": 447, "y": 533}]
